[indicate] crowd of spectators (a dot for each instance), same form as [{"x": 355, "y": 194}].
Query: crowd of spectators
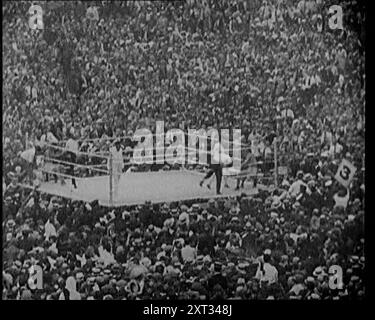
[
  {"x": 270, "y": 246},
  {"x": 266, "y": 67}
]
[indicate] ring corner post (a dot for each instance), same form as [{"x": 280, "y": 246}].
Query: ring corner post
[
  {"x": 110, "y": 180},
  {"x": 275, "y": 161}
]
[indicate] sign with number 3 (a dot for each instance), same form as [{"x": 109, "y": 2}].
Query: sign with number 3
[{"x": 345, "y": 173}]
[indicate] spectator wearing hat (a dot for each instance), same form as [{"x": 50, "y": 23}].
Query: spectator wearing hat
[
  {"x": 218, "y": 279},
  {"x": 266, "y": 272},
  {"x": 295, "y": 188},
  {"x": 188, "y": 253},
  {"x": 70, "y": 291},
  {"x": 206, "y": 241}
]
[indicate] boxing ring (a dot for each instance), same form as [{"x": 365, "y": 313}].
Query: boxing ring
[
  {"x": 137, "y": 187},
  {"x": 134, "y": 188}
]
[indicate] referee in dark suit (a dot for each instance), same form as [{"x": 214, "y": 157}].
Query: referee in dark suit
[
  {"x": 71, "y": 156},
  {"x": 214, "y": 168}
]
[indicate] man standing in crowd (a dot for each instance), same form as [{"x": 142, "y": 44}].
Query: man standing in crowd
[
  {"x": 218, "y": 279},
  {"x": 30, "y": 157},
  {"x": 266, "y": 271}
]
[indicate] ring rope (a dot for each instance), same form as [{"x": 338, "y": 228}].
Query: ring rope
[
  {"x": 76, "y": 152},
  {"x": 59, "y": 173},
  {"x": 132, "y": 162},
  {"x": 102, "y": 156},
  {"x": 75, "y": 164}
]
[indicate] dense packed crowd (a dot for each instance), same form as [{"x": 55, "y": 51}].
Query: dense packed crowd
[{"x": 270, "y": 68}]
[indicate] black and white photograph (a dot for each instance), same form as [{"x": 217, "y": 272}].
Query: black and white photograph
[{"x": 199, "y": 150}]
